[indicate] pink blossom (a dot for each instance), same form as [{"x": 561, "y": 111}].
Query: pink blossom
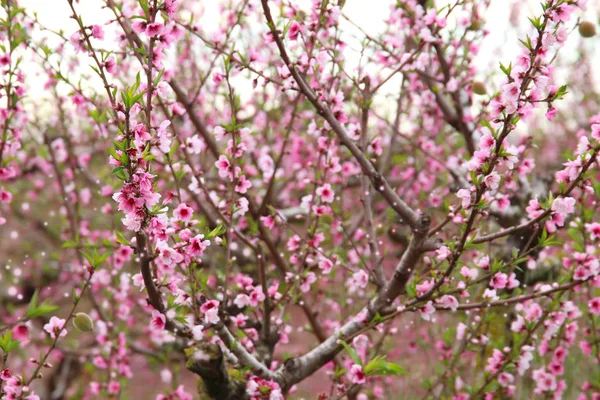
[
  {"x": 465, "y": 196},
  {"x": 114, "y": 387},
  {"x": 427, "y": 311},
  {"x": 242, "y": 185},
  {"x": 594, "y": 306},
  {"x": 211, "y": 312},
  {"x": 97, "y": 32},
  {"x": 268, "y": 221},
  {"x": 596, "y": 131},
  {"x": 224, "y": 166},
  {"x": 593, "y": 229},
  {"x": 54, "y": 326},
  {"x": 158, "y": 320},
  {"x": 154, "y": 29},
  {"x": 357, "y": 375},
  {"x": 534, "y": 312},
  {"x": 197, "y": 332},
  {"x": 294, "y": 30},
  {"x": 544, "y": 381},
  {"x": 449, "y": 302},
  {"x": 183, "y": 212},
  {"x": 443, "y": 253},
  {"x": 326, "y": 193},
  {"x": 492, "y": 181}
]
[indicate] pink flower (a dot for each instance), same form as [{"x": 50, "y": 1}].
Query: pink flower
[
  {"x": 593, "y": 229},
  {"x": 110, "y": 65},
  {"x": 534, "y": 209},
  {"x": 465, "y": 196},
  {"x": 443, "y": 253},
  {"x": 534, "y": 312},
  {"x": 4, "y": 60},
  {"x": 525, "y": 359},
  {"x": 325, "y": 265},
  {"x": 97, "y": 32},
  {"x": 158, "y": 321},
  {"x": 596, "y": 131},
  {"x": 449, "y": 302},
  {"x": 218, "y": 77},
  {"x": 594, "y": 306},
  {"x": 427, "y": 311},
  {"x": 376, "y": 146},
  {"x": 154, "y": 29},
  {"x": 224, "y": 166},
  {"x": 564, "y": 206},
  {"x": 219, "y": 132},
  {"x": 326, "y": 193},
  {"x": 495, "y": 361},
  {"x": 492, "y": 181},
  {"x": 513, "y": 282},
  {"x": 551, "y": 113},
  {"x": 505, "y": 379},
  {"x": 197, "y": 332},
  {"x": 54, "y": 326},
  {"x": 183, "y": 212},
  {"x": 308, "y": 280},
  {"x": 166, "y": 254},
  {"x": 5, "y": 196},
  {"x": 21, "y": 333},
  {"x": 139, "y": 26},
  {"x": 518, "y": 325},
  {"x": 242, "y": 300},
  {"x": 211, "y": 311},
  {"x": 114, "y": 387},
  {"x": 484, "y": 263},
  {"x": 6, "y": 374},
  {"x": 197, "y": 245},
  {"x": 256, "y": 296},
  {"x": 499, "y": 280},
  {"x": 294, "y": 30},
  {"x": 242, "y": 185},
  {"x": 469, "y": 273},
  {"x": 487, "y": 142},
  {"x": 138, "y": 281},
  {"x": 544, "y": 381},
  {"x": 268, "y": 221},
  {"x": 357, "y": 375},
  {"x": 359, "y": 279},
  {"x": 563, "y": 13},
  {"x": 510, "y": 91},
  {"x": 261, "y": 389}
]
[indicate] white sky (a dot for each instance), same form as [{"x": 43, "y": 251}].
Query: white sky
[{"x": 501, "y": 45}]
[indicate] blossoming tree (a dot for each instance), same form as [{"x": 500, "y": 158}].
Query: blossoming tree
[{"x": 291, "y": 207}]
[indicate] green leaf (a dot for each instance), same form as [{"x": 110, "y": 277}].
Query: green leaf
[
  {"x": 218, "y": 231},
  {"x": 88, "y": 257},
  {"x": 34, "y": 310},
  {"x": 120, "y": 173},
  {"x": 100, "y": 259},
  {"x": 352, "y": 353},
  {"x": 121, "y": 239},
  {"x": 33, "y": 301},
  {"x": 506, "y": 70},
  {"x": 379, "y": 367},
  {"x": 113, "y": 153},
  {"x": 7, "y": 344},
  {"x": 42, "y": 309}
]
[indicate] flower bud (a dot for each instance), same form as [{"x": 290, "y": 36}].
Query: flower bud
[
  {"x": 479, "y": 88},
  {"x": 587, "y": 29},
  {"x": 475, "y": 24},
  {"x": 83, "y": 322}
]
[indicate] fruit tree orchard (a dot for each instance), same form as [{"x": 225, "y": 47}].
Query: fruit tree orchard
[{"x": 288, "y": 206}]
